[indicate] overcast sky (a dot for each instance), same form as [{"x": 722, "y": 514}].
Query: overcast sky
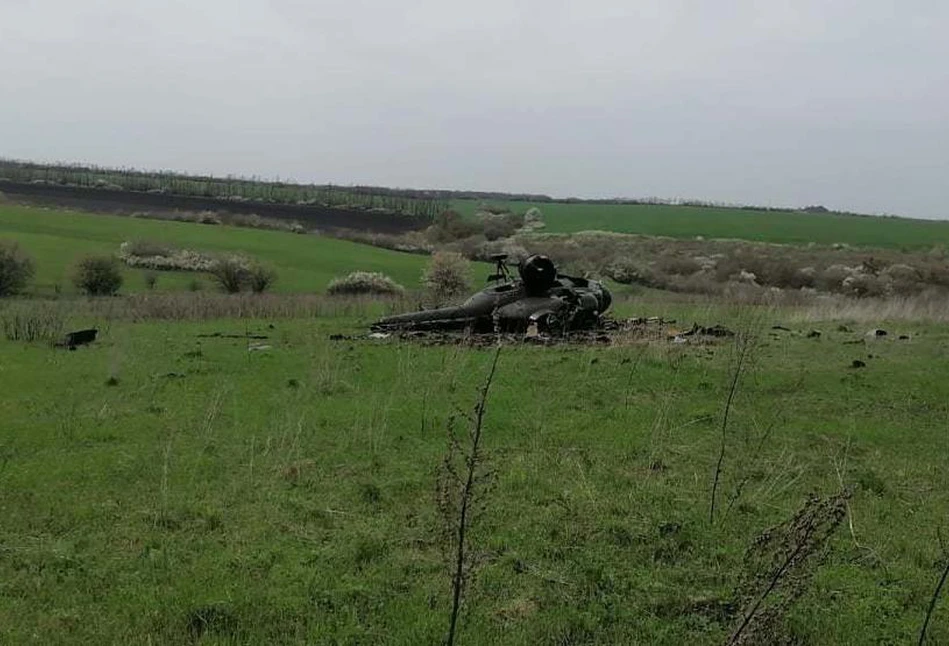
[{"x": 781, "y": 102}]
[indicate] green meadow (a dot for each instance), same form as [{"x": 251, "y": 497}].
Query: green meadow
[
  {"x": 276, "y": 480},
  {"x": 304, "y": 263}
]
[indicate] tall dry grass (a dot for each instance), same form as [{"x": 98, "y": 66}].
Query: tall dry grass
[
  {"x": 925, "y": 308},
  {"x": 193, "y": 306}
]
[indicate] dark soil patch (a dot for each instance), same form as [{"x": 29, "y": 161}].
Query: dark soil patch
[{"x": 99, "y": 200}]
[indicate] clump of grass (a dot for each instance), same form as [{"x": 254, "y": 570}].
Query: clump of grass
[
  {"x": 33, "y": 321},
  {"x": 365, "y": 282}
]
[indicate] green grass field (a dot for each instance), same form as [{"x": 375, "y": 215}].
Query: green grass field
[
  {"x": 216, "y": 495},
  {"x": 164, "y": 486},
  {"x": 688, "y": 222},
  {"x": 304, "y": 263}
]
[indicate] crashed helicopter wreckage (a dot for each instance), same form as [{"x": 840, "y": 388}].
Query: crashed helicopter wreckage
[{"x": 538, "y": 300}]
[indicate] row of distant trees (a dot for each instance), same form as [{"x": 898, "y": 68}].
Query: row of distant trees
[{"x": 414, "y": 203}]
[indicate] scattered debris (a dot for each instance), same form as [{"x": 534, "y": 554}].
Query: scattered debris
[
  {"x": 379, "y": 335},
  {"x": 221, "y": 335},
  {"x": 857, "y": 363},
  {"x": 713, "y": 331},
  {"x": 73, "y": 340}
]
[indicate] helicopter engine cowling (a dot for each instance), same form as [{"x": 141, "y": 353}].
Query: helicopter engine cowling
[{"x": 538, "y": 273}]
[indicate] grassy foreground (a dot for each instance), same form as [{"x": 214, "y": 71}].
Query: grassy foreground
[
  {"x": 713, "y": 222},
  {"x": 158, "y": 487},
  {"x": 304, "y": 263}
]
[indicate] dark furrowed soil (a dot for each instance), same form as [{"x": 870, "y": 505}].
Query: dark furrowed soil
[{"x": 111, "y": 201}]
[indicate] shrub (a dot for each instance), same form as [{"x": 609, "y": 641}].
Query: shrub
[
  {"x": 628, "y": 273},
  {"x": 16, "y": 269},
  {"x": 98, "y": 275},
  {"x": 678, "y": 265},
  {"x": 260, "y": 278},
  {"x": 151, "y": 279},
  {"x": 151, "y": 255},
  {"x": 865, "y": 285},
  {"x": 497, "y": 226},
  {"x": 533, "y": 219},
  {"x": 230, "y": 274},
  {"x": 450, "y": 225},
  {"x": 146, "y": 248},
  {"x": 448, "y": 274},
  {"x": 364, "y": 282}
]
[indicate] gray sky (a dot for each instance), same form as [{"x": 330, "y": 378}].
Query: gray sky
[{"x": 783, "y": 102}]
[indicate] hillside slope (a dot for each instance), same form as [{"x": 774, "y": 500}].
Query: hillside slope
[
  {"x": 304, "y": 263},
  {"x": 717, "y": 222}
]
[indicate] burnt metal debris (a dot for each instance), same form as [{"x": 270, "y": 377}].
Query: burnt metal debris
[
  {"x": 538, "y": 299},
  {"x": 73, "y": 340}
]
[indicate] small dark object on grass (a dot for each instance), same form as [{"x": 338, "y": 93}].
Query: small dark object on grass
[
  {"x": 904, "y": 337},
  {"x": 813, "y": 334},
  {"x": 221, "y": 335},
  {"x": 843, "y": 328},
  {"x": 715, "y": 330},
  {"x": 858, "y": 364},
  {"x": 339, "y": 337},
  {"x": 293, "y": 383},
  {"x": 876, "y": 332},
  {"x": 780, "y": 327},
  {"x": 854, "y": 342},
  {"x": 112, "y": 381},
  {"x": 73, "y": 340}
]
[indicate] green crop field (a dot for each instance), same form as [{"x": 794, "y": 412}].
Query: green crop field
[
  {"x": 304, "y": 263},
  {"x": 714, "y": 222}
]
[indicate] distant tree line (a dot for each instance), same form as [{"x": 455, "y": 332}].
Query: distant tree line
[{"x": 414, "y": 203}]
